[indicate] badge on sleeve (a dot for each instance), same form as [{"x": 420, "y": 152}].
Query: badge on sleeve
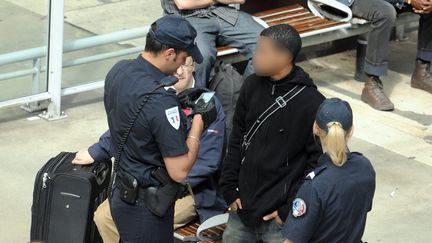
[
  {"x": 299, "y": 208},
  {"x": 173, "y": 117}
]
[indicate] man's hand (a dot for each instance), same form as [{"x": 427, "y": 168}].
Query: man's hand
[
  {"x": 231, "y": 1},
  {"x": 83, "y": 158},
  {"x": 424, "y": 11},
  {"x": 188, "y": 97},
  {"x": 274, "y": 216},
  {"x": 235, "y": 205},
  {"x": 422, "y": 6},
  {"x": 207, "y": 111}
]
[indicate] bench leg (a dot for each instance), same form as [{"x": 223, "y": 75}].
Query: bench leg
[{"x": 360, "y": 58}]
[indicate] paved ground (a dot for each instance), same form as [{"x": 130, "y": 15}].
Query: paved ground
[{"x": 398, "y": 143}]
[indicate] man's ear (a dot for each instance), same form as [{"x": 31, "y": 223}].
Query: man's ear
[
  {"x": 170, "y": 54},
  {"x": 315, "y": 129},
  {"x": 290, "y": 58}
]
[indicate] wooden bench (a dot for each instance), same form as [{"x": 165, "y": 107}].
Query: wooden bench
[
  {"x": 190, "y": 233},
  {"x": 296, "y": 15},
  {"x": 301, "y": 19},
  {"x": 187, "y": 232}
]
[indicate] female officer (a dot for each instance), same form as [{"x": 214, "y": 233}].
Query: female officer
[{"x": 332, "y": 204}]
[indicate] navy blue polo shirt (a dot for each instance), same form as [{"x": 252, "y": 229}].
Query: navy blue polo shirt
[
  {"x": 332, "y": 204},
  {"x": 159, "y": 130}
]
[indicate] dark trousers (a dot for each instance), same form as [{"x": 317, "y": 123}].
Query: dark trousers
[
  {"x": 213, "y": 30},
  {"x": 136, "y": 224},
  {"x": 382, "y": 16}
]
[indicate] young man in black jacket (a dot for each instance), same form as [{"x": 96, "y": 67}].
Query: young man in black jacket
[{"x": 264, "y": 166}]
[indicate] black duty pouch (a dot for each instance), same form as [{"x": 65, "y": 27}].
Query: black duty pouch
[
  {"x": 128, "y": 186},
  {"x": 159, "y": 199}
]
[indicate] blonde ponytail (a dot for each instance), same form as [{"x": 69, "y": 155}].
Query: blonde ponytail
[{"x": 335, "y": 142}]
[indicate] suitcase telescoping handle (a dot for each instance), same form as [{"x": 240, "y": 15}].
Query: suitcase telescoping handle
[{"x": 100, "y": 171}]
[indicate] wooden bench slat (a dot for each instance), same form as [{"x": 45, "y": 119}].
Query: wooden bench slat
[
  {"x": 188, "y": 232},
  {"x": 317, "y": 22},
  {"x": 306, "y": 23},
  {"x": 211, "y": 231},
  {"x": 284, "y": 13},
  {"x": 304, "y": 20},
  {"x": 324, "y": 26},
  {"x": 214, "y": 231},
  {"x": 183, "y": 232},
  {"x": 290, "y": 19},
  {"x": 276, "y": 11},
  {"x": 183, "y": 229},
  {"x": 287, "y": 17}
]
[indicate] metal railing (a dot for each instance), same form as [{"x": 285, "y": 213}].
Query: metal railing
[{"x": 36, "y": 54}]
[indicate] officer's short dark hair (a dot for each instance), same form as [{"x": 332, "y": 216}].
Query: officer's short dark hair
[
  {"x": 154, "y": 46},
  {"x": 286, "y": 37}
]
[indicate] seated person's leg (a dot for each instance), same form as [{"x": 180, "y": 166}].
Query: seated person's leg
[
  {"x": 105, "y": 223},
  {"x": 382, "y": 16},
  {"x": 243, "y": 36},
  {"x": 207, "y": 29},
  {"x": 184, "y": 211},
  {"x": 421, "y": 77},
  {"x": 425, "y": 38}
]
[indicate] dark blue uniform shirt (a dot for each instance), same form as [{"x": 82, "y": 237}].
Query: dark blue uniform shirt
[
  {"x": 203, "y": 176},
  {"x": 332, "y": 204},
  {"x": 159, "y": 130}
]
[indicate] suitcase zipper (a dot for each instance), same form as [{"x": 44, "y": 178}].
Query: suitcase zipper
[
  {"x": 46, "y": 208},
  {"x": 52, "y": 168},
  {"x": 45, "y": 178},
  {"x": 56, "y": 165}
]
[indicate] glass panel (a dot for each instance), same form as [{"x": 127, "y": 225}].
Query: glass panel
[
  {"x": 23, "y": 25},
  {"x": 94, "y": 17}
]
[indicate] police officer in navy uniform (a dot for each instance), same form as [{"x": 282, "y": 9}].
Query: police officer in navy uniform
[
  {"x": 158, "y": 138},
  {"x": 333, "y": 202}
]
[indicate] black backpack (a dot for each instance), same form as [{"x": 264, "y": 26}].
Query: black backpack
[{"x": 226, "y": 83}]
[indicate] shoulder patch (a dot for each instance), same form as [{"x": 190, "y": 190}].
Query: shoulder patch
[
  {"x": 315, "y": 172},
  {"x": 299, "y": 207},
  {"x": 173, "y": 116}
]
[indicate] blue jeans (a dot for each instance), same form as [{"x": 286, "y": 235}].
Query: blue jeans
[
  {"x": 136, "y": 224},
  {"x": 237, "y": 232},
  {"x": 382, "y": 16},
  {"x": 213, "y": 31}
]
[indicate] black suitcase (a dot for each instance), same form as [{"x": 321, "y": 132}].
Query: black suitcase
[{"x": 65, "y": 197}]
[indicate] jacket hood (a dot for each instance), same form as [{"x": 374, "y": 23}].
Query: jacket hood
[{"x": 297, "y": 76}]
